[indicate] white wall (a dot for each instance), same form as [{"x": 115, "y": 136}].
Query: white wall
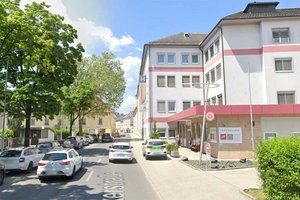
[{"x": 283, "y": 126}]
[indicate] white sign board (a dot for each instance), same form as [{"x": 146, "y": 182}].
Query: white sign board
[{"x": 230, "y": 135}]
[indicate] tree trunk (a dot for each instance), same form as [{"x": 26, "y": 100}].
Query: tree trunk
[
  {"x": 71, "y": 124},
  {"x": 27, "y": 128},
  {"x": 80, "y": 119}
]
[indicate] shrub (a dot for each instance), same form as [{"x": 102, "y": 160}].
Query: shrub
[
  {"x": 174, "y": 147},
  {"x": 7, "y": 133},
  {"x": 279, "y": 167},
  {"x": 155, "y": 133},
  {"x": 65, "y": 134}
]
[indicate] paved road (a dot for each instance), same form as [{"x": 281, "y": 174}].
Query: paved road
[{"x": 98, "y": 180}]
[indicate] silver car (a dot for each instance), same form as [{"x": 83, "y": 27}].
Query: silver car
[
  {"x": 120, "y": 151},
  {"x": 64, "y": 163}
]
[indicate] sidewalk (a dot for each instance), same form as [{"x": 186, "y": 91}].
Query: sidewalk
[{"x": 174, "y": 180}]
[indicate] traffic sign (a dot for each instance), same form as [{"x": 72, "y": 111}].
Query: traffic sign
[
  {"x": 210, "y": 116},
  {"x": 207, "y": 148}
]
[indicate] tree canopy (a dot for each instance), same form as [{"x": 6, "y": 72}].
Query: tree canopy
[{"x": 38, "y": 50}]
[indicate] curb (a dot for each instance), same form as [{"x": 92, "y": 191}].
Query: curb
[{"x": 247, "y": 195}]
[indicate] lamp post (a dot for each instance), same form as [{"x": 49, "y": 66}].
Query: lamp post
[
  {"x": 251, "y": 114},
  {"x": 4, "y": 109},
  {"x": 205, "y": 86}
]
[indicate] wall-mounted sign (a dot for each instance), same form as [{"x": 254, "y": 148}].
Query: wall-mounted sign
[
  {"x": 230, "y": 135},
  {"x": 210, "y": 116},
  {"x": 142, "y": 79}
]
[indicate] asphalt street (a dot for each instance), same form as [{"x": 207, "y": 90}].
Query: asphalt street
[{"x": 98, "y": 180}]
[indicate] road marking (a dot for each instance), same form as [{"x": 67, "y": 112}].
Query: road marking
[
  {"x": 99, "y": 161},
  {"x": 89, "y": 176}
]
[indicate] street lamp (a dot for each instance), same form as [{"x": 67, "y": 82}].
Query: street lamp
[
  {"x": 4, "y": 110},
  {"x": 206, "y": 86}
]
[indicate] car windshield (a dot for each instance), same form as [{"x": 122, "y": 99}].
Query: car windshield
[
  {"x": 55, "y": 156},
  {"x": 156, "y": 143},
  {"x": 106, "y": 136},
  {"x": 121, "y": 147},
  {"x": 44, "y": 145},
  {"x": 11, "y": 153}
]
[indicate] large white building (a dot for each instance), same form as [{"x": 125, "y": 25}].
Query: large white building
[{"x": 249, "y": 58}]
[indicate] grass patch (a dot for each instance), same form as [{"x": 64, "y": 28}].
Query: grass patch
[{"x": 256, "y": 193}]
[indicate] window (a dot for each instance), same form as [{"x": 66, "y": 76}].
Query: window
[
  {"x": 186, "y": 105},
  {"x": 296, "y": 134},
  {"x": 207, "y": 77},
  {"x": 212, "y": 75},
  {"x": 100, "y": 121},
  {"x": 185, "y": 81},
  {"x": 213, "y": 101},
  {"x": 270, "y": 135},
  {"x": 84, "y": 121},
  {"x": 206, "y": 56},
  {"x": 171, "y": 58},
  {"x": 171, "y": 81},
  {"x": 161, "y": 106},
  {"x": 286, "y": 97},
  {"x": 220, "y": 99},
  {"x": 46, "y": 121},
  {"x": 32, "y": 121},
  {"x": 211, "y": 50},
  {"x": 196, "y": 81},
  {"x": 195, "y": 59},
  {"x": 161, "y": 81},
  {"x": 172, "y": 133},
  {"x": 185, "y": 58},
  {"x": 281, "y": 35},
  {"x": 217, "y": 46},
  {"x": 160, "y": 58},
  {"x": 283, "y": 64},
  {"x": 218, "y": 72},
  {"x": 162, "y": 132},
  {"x": 171, "y": 106},
  {"x": 196, "y": 103}
]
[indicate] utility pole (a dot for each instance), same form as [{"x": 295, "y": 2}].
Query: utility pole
[{"x": 4, "y": 110}]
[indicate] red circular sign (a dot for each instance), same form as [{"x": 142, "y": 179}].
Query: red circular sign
[{"x": 210, "y": 116}]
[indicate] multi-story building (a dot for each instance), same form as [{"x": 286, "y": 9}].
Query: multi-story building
[{"x": 250, "y": 63}]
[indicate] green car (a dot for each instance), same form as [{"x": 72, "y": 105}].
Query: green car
[{"x": 154, "y": 148}]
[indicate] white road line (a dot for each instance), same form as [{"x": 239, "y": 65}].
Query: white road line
[
  {"x": 99, "y": 161},
  {"x": 89, "y": 176}
]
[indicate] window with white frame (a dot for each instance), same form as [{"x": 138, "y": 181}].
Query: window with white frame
[
  {"x": 171, "y": 58},
  {"x": 269, "y": 135},
  {"x": 230, "y": 135},
  {"x": 185, "y": 81},
  {"x": 206, "y": 56},
  {"x": 220, "y": 99},
  {"x": 212, "y": 75},
  {"x": 84, "y": 121},
  {"x": 286, "y": 97},
  {"x": 171, "y": 81},
  {"x": 213, "y": 101},
  {"x": 196, "y": 103},
  {"x": 161, "y": 81},
  {"x": 186, "y": 105},
  {"x": 185, "y": 58},
  {"x": 283, "y": 64},
  {"x": 195, "y": 59},
  {"x": 161, "y": 106},
  {"x": 100, "y": 121},
  {"x": 162, "y": 132},
  {"x": 172, "y": 133},
  {"x": 207, "y": 77},
  {"x": 196, "y": 81},
  {"x": 160, "y": 58},
  {"x": 208, "y": 102},
  {"x": 281, "y": 35},
  {"x": 213, "y": 135},
  {"x": 217, "y": 46},
  {"x": 218, "y": 72},
  {"x": 171, "y": 106},
  {"x": 211, "y": 50}
]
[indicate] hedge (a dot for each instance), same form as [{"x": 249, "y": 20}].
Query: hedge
[{"x": 279, "y": 167}]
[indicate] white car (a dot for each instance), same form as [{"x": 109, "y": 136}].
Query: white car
[
  {"x": 23, "y": 158},
  {"x": 64, "y": 163},
  {"x": 120, "y": 151}
]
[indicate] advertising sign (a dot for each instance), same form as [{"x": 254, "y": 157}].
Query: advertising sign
[{"x": 230, "y": 135}]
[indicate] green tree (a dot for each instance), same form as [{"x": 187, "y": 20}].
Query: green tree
[
  {"x": 38, "y": 50},
  {"x": 98, "y": 88}
]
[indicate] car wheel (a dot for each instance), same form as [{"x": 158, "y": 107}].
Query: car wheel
[
  {"x": 30, "y": 167},
  {"x": 42, "y": 180},
  {"x": 143, "y": 154},
  {"x": 147, "y": 157},
  {"x": 1, "y": 177},
  {"x": 73, "y": 173}
]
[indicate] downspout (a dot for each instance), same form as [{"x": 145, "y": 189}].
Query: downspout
[
  {"x": 150, "y": 93},
  {"x": 203, "y": 75},
  {"x": 223, "y": 60}
]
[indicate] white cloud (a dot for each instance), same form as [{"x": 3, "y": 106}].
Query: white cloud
[
  {"x": 131, "y": 66},
  {"x": 127, "y": 105},
  {"x": 90, "y": 34}
]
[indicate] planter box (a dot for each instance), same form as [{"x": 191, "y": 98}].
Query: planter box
[{"x": 175, "y": 154}]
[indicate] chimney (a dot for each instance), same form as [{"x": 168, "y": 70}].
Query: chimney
[{"x": 261, "y": 7}]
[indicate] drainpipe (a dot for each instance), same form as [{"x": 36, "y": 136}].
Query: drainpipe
[
  {"x": 223, "y": 60},
  {"x": 150, "y": 93}
]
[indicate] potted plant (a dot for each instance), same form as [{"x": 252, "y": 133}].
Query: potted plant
[
  {"x": 174, "y": 150},
  {"x": 168, "y": 148}
]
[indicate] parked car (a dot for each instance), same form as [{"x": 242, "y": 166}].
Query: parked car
[
  {"x": 154, "y": 148},
  {"x": 91, "y": 138},
  {"x": 120, "y": 151},
  {"x": 49, "y": 146},
  {"x": 88, "y": 139},
  {"x": 106, "y": 137},
  {"x": 95, "y": 137},
  {"x": 2, "y": 173},
  {"x": 76, "y": 141},
  {"x": 68, "y": 144},
  {"x": 24, "y": 158},
  {"x": 64, "y": 163},
  {"x": 85, "y": 142}
]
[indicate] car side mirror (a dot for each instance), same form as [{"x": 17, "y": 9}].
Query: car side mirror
[
  {"x": 143, "y": 143},
  {"x": 109, "y": 147}
]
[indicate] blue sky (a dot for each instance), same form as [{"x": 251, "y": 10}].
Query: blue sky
[{"x": 124, "y": 26}]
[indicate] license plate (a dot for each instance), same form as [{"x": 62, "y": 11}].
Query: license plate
[
  {"x": 121, "y": 155},
  {"x": 51, "y": 173}
]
